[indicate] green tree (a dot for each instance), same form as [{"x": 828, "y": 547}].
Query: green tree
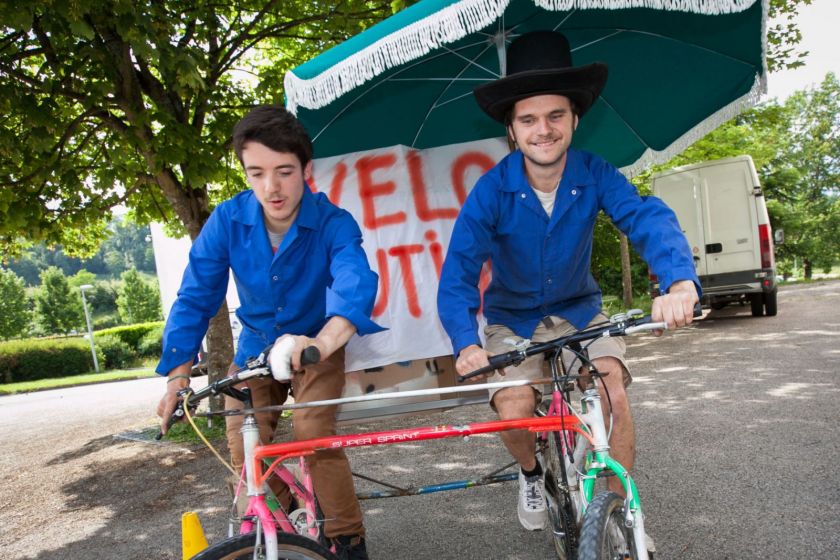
[
  {"x": 57, "y": 307},
  {"x": 15, "y": 313},
  {"x": 113, "y": 102},
  {"x": 807, "y": 178},
  {"x": 138, "y": 301}
]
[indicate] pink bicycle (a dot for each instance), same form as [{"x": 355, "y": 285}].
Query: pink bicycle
[{"x": 574, "y": 447}]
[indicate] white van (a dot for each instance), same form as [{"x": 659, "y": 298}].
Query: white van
[{"x": 721, "y": 210}]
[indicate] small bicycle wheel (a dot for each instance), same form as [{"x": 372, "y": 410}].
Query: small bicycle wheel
[
  {"x": 241, "y": 547},
  {"x": 603, "y": 535}
]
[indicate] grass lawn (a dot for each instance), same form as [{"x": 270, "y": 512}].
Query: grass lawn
[{"x": 85, "y": 379}]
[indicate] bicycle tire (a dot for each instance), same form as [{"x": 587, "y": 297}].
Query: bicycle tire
[
  {"x": 603, "y": 535},
  {"x": 290, "y": 547},
  {"x": 561, "y": 508}
]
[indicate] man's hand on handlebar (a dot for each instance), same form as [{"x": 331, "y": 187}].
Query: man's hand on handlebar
[
  {"x": 471, "y": 358},
  {"x": 170, "y": 399},
  {"x": 677, "y": 306}
]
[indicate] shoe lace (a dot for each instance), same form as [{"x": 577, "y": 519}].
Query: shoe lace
[{"x": 533, "y": 493}]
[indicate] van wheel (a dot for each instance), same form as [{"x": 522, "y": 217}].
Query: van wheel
[
  {"x": 770, "y": 304},
  {"x": 757, "y": 304}
]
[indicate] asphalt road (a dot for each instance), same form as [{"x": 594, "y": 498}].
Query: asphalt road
[{"x": 737, "y": 457}]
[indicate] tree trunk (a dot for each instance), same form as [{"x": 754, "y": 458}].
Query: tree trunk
[
  {"x": 626, "y": 278},
  {"x": 806, "y": 268},
  {"x": 219, "y": 351}
]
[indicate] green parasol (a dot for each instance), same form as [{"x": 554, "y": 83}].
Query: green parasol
[{"x": 677, "y": 69}]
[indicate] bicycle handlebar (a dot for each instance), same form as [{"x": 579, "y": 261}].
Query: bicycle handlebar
[
  {"x": 622, "y": 327},
  {"x": 255, "y": 367}
]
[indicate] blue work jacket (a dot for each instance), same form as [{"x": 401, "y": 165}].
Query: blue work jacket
[
  {"x": 320, "y": 270},
  {"x": 541, "y": 264}
]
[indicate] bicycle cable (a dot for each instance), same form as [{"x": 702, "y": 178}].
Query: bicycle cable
[{"x": 201, "y": 436}]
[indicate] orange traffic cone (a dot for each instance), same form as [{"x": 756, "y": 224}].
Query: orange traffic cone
[{"x": 193, "y": 540}]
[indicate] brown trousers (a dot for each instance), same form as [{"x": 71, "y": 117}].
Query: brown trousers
[{"x": 330, "y": 469}]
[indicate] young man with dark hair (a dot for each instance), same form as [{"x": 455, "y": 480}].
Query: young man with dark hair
[
  {"x": 300, "y": 272},
  {"x": 533, "y": 216}
]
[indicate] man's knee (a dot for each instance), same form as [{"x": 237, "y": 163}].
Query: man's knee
[
  {"x": 515, "y": 402},
  {"x": 310, "y": 426}
]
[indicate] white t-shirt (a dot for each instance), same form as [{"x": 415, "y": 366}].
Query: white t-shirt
[{"x": 547, "y": 199}]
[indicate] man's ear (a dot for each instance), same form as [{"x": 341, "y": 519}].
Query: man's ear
[
  {"x": 307, "y": 171},
  {"x": 577, "y": 120}
]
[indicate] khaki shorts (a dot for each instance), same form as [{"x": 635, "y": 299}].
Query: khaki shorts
[{"x": 500, "y": 339}]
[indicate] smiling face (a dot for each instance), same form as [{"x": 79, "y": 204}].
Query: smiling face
[
  {"x": 542, "y": 127},
  {"x": 277, "y": 179}
]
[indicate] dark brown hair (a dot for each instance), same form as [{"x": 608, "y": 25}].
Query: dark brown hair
[{"x": 275, "y": 128}]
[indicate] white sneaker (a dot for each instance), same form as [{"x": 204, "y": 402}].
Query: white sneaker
[{"x": 532, "y": 511}]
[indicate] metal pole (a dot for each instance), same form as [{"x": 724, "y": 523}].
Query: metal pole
[{"x": 90, "y": 331}]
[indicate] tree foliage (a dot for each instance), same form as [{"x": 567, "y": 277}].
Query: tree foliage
[
  {"x": 15, "y": 312},
  {"x": 138, "y": 301},
  {"x": 57, "y": 307},
  {"x": 116, "y": 102},
  {"x": 783, "y": 35}
]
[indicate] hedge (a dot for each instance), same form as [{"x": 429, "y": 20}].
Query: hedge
[
  {"x": 151, "y": 345},
  {"x": 28, "y": 360},
  {"x": 130, "y": 334},
  {"x": 114, "y": 353}
]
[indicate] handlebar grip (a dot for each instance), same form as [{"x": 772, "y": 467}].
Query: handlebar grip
[
  {"x": 476, "y": 373},
  {"x": 498, "y": 361},
  {"x": 698, "y": 310},
  {"x": 310, "y": 355},
  {"x": 177, "y": 414}
]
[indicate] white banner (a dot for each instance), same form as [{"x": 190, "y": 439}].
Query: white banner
[{"x": 405, "y": 202}]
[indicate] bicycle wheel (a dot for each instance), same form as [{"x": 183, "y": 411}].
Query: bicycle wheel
[
  {"x": 603, "y": 535},
  {"x": 290, "y": 547},
  {"x": 562, "y": 509}
]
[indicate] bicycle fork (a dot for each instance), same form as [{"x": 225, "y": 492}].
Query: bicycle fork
[{"x": 633, "y": 516}]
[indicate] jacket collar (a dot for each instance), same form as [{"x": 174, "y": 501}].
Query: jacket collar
[
  {"x": 575, "y": 173},
  {"x": 249, "y": 211}
]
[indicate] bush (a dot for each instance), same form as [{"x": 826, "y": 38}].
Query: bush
[
  {"x": 130, "y": 334},
  {"x": 150, "y": 345},
  {"x": 28, "y": 360},
  {"x": 114, "y": 352},
  {"x": 106, "y": 321}
]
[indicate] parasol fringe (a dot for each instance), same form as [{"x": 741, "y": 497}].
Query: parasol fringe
[
  {"x": 707, "y": 7},
  {"x": 653, "y": 157},
  {"x": 446, "y": 26}
]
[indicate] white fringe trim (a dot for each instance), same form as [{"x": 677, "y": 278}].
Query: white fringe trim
[{"x": 446, "y": 26}]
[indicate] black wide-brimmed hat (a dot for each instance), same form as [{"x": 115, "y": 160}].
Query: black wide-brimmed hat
[{"x": 540, "y": 63}]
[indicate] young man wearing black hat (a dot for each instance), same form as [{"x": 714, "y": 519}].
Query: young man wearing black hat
[{"x": 533, "y": 216}]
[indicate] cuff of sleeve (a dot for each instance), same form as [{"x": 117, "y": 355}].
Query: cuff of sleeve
[
  {"x": 677, "y": 275},
  {"x": 337, "y": 305},
  {"x": 461, "y": 341},
  {"x": 172, "y": 358}
]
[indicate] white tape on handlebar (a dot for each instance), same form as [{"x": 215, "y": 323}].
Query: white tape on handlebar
[
  {"x": 280, "y": 359},
  {"x": 647, "y": 327}
]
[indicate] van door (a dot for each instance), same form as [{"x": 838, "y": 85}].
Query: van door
[
  {"x": 730, "y": 226},
  {"x": 681, "y": 192}
]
